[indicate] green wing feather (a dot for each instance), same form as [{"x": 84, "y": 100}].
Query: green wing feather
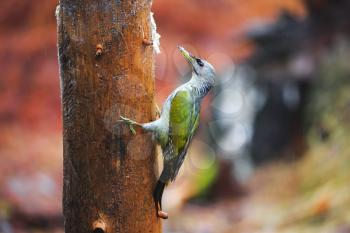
[{"x": 183, "y": 120}]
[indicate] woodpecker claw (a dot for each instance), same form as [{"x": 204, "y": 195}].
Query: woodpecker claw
[
  {"x": 130, "y": 122},
  {"x": 132, "y": 130}
]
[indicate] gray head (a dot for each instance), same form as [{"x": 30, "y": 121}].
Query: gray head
[{"x": 201, "y": 69}]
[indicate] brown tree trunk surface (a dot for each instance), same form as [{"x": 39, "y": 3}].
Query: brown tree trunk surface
[{"x": 107, "y": 70}]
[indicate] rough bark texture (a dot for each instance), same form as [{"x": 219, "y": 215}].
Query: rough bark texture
[{"x": 106, "y": 70}]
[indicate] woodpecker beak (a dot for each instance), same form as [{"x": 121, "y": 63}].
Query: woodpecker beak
[{"x": 186, "y": 55}]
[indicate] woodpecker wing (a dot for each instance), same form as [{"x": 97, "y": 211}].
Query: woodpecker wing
[{"x": 183, "y": 121}]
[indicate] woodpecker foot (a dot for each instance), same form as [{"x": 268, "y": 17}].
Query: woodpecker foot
[{"x": 129, "y": 122}]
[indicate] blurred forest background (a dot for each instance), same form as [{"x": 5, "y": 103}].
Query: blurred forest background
[{"x": 271, "y": 154}]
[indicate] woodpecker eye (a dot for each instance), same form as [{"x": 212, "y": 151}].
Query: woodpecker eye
[{"x": 199, "y": 62}]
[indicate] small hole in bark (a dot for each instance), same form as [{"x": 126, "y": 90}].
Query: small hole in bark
[
  {"x": 99, "y": 49},
  {"x": 98, "y": 230}
]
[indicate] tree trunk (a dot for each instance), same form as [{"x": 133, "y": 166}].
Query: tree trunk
[{"x": 107, "y": 70}]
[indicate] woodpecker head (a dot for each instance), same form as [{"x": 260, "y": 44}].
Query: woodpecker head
[{"x": 200, "y": 67}]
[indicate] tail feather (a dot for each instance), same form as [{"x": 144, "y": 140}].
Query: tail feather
[{"x": 158, "y": 193}]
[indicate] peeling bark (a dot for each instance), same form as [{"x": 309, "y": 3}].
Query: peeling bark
[{"x": 106, "y": 70}]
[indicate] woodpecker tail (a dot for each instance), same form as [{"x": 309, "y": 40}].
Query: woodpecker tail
[
  {"x": 158, "y": 193},
  {"x": 157, "y": 196}
]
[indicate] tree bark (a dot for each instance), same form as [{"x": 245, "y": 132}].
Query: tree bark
[{"x": 106, "y": 70}]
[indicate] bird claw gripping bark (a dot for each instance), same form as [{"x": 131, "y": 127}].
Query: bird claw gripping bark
[{"x": 129, "y": 122}]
